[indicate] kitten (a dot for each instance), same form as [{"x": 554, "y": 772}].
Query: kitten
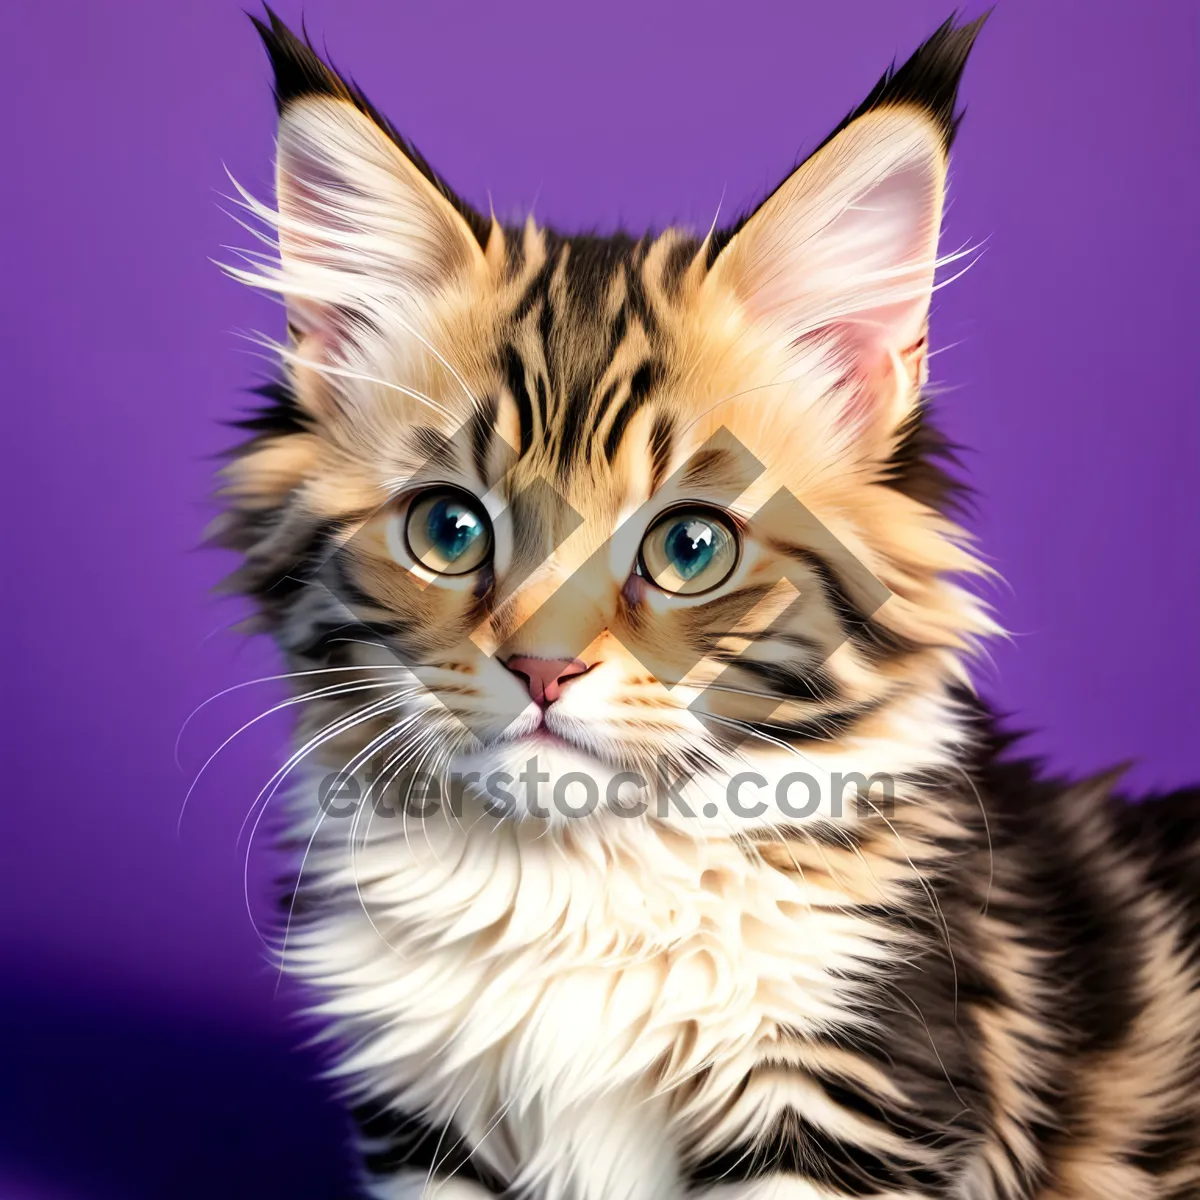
[{"x": 602, "y": 567}]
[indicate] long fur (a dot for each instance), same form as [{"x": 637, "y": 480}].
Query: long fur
[{"x": 986, "y": 987}]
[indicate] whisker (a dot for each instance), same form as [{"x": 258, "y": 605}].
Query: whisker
[
  {"x": 987, "y": 895},
  {"x": 326, "y": 734},
  {"x": 934, "y": 903},
  {"x": 335, "y": 690},
  {"x": 335, "y": 728},
  {"x": 377, "y": 743},
  {"x": 434, "y": 1163},
  {"x": 753, "y": 732},
  {"x": 291, "y": 356},
  {"x": 267, "y": 679}
]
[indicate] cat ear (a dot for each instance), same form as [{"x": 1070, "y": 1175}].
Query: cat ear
[
  {"x": 840, "y": 259},
  {"x": 368, "y": 234}
]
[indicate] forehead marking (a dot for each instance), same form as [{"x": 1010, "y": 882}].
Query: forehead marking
[{"x": 589, "y": 312}]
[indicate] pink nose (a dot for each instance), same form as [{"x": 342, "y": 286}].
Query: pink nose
[{"x": 544, "y": 677}]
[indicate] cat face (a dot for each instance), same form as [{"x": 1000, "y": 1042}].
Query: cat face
[{"x": 608, "y": 503}]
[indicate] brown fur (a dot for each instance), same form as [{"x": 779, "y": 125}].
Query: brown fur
[{"x": 1036, "y": 1034}]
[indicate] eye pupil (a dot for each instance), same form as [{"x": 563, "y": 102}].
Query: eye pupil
[
  {"x": 690, "y": 547},
  {"x": 452, "y": 528},
  {"x": 447, "y": 532},
  {"x": 689, "y": 552}
]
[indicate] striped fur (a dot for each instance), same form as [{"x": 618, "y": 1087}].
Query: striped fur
[{"x": 988, "y": 989}]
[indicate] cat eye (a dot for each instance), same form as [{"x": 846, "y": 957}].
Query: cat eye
[
  {"x": 448, "y": 532},
  {"x": 689, "y": 550}
]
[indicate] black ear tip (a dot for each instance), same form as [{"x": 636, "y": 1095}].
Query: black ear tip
[
  {"x": 956, "y": 40},
  {"x": 264, "y": 31},
  {"x": 298, "y": 70},
  {"x": 929, "y": 79},
  {"x": 272, "y": 30},
  {"x": 934, "y": 72}
]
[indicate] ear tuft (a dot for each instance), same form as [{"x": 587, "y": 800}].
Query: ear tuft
[
  {"x": 928, "y": 80},
  {"x": 298, "y": 70},
  {"x": 301, "y": 74},
  {"x": 369, "y": 240},
  {"x": 839, "y": 261}
]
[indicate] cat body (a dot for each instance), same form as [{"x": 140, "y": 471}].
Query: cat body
[
  {"x": 648, "y": 1013},
  {"x": 603, "y": 566}
]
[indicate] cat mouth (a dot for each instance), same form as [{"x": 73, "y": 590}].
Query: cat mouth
[
  {"x": 544, "y": 736},
  {"x": 546, "y": 739},
  {"x": 541, "y": 735}
]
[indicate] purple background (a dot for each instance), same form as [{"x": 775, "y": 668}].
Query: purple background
[{"x": 137, "y": 1009}]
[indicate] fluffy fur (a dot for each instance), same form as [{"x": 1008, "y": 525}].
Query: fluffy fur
[{"x": 987, "y": 989}]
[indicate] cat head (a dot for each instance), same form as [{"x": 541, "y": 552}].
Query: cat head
[{"x": 612, "y": 503}]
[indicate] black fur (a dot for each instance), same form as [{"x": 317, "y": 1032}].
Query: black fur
[
  {"x": 299, "y": 72},
  {"x": 923, "y": 466},
  {"x": 399, "y": 1141},
  {"x": 928, "y": 80}
]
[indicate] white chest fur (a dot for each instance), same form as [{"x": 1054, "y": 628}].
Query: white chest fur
[{"x": 578, "y": 1003}]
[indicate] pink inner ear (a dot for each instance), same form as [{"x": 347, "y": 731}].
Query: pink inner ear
[
  {"x": 912, "y": 359},
  {"x": 872, "y": 266},
  {"x": 362, "y": 233},
  {"x": 881, "y": 394},
  {"x": 843, "y": 255}
]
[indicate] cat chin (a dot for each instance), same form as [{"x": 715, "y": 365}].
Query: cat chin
[{"x": 544, "y": 778}]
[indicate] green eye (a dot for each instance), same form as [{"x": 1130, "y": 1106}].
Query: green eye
[
  {"x": 689, "y": 551},
  {"x": 448, "y": 532}
]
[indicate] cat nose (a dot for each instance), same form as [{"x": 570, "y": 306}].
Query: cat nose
[{"x": 545, "y": 677}]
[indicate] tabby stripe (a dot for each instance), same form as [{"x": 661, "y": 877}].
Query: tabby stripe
[
  {"x": 770, "y": 634},
  {"x": 546, "y": 320},
  {"x": 617, "y": 334},
  {"x": 574, "y": 417},
  {"x": 635, "y": 296},
  {"x": 662, "y": 442},
  {"x": 875, "y": 641},
  {"x": 483, "y": 425},
  {"x": 535, "y": 291},
  {"x": 439, "y": 451},
  {"x": 276, "y": 581},
  {"x": 825, "y": 727},
  {"x": 790, "y": 682},
  {"x": 679, "y": 258},
  {"x": 850, "y": 1097},
  {"x": 606, "y": 400},
  {"x": 1168, "y": 1146},
  {"x": 644, "y": 379},
  {"x": 514, "y": 369},
  {"x": 795, "y": 1147},
  {"x": 543, "y": 400},
  {"x": 1168, "y": 833}
]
